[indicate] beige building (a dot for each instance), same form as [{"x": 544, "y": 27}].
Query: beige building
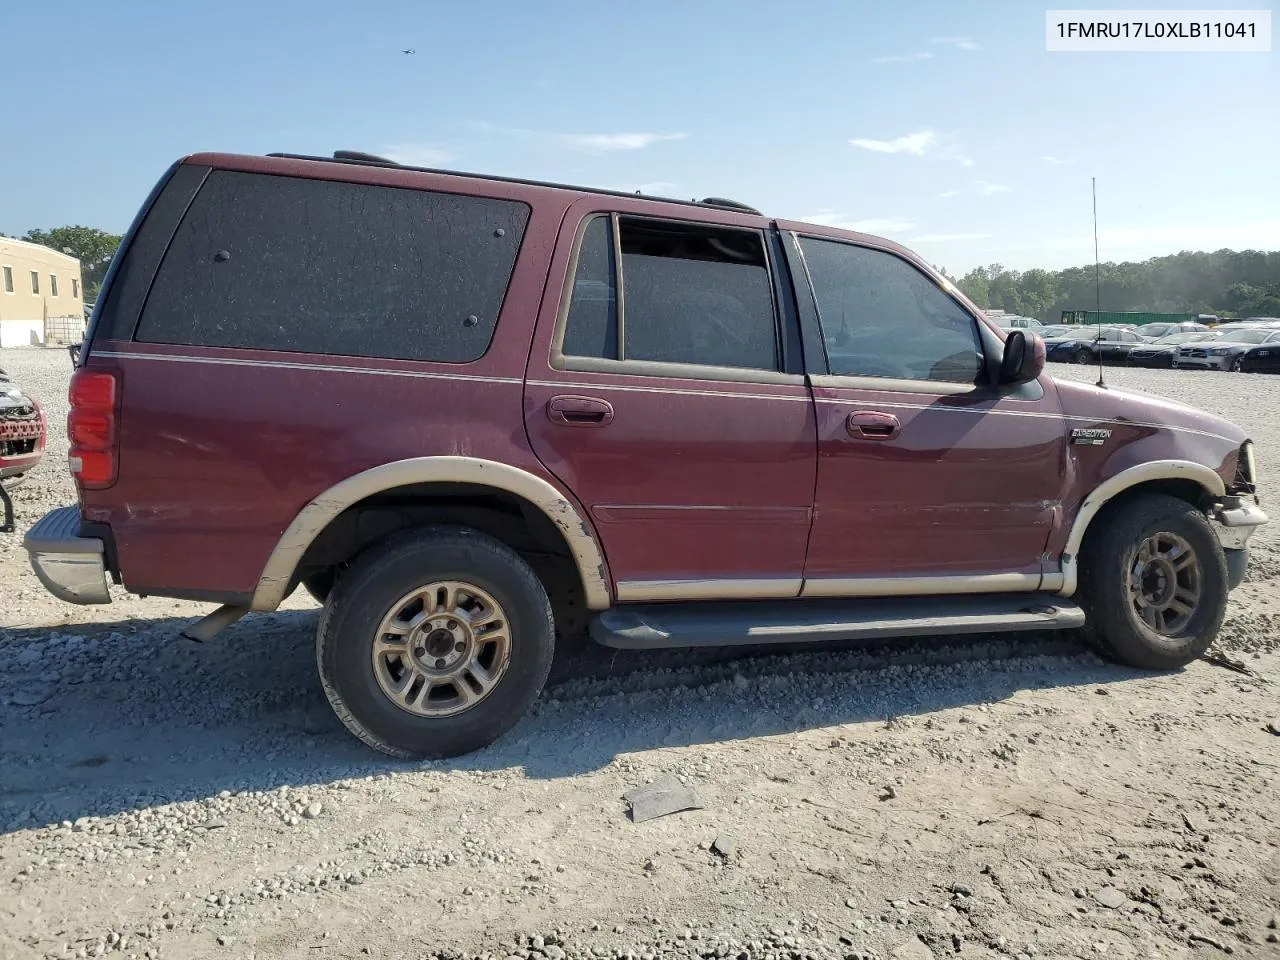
[{"x": 41, "y": 295}]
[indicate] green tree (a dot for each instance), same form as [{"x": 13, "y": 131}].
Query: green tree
[
  {"x": 92, "y": 247},
  {"x": 975, "y": 286}
]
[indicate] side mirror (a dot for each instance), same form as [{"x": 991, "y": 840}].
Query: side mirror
[{"x": 1024, "y": 358}]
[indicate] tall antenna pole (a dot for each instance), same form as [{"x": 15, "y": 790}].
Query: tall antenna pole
[{"x": 1097, "y": 284}]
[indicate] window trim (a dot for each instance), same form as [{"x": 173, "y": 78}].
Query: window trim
[
  {"x": 35, "y": 283},
  {"x": 668, "y": 369},
  {"x": 10, "y": 288},
  {"x": 992, "y": 346},
  {"x": 75, "y": 288},
  {"x": 53, "y": 284}
]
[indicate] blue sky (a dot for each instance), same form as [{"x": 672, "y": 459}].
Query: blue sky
[{"x": 944, "y": 125}]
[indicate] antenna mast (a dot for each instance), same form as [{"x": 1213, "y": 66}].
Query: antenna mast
[{"x": 1097, "y": 284}]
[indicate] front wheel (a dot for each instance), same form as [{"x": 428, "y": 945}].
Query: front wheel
[
  {"x": 1083, "y": 355},
  {"x": 1154, "y": 584},
  {"x": 1237, "y": 365},
  {"x": 435, "y": 643}
]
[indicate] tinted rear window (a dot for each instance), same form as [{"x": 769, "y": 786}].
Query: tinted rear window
[{"x": 312, "y": 266}]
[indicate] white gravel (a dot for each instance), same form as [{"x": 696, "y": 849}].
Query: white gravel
[{"x": 1013, "y": 797}]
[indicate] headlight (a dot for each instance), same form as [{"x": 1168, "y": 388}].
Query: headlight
[
  {"x": 1221, "y": 351},
  {"x": 1250, "y": 463}
]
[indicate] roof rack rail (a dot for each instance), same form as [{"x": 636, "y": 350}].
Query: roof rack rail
[
  {"x": 361, "y": 157},
  {"x": 728, "y": 204},
  {"x": 372, "y": 160}
]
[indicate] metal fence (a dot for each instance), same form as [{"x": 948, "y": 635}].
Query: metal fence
[{"x": 64, "y": 330}]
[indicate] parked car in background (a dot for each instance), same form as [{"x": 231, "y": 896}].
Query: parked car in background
[
  {"x": 1154, "y": 331},
  {"x": 1226, "y": 353},
  {"x": 1056, "y": 330},
  {"x": 1110, "y": 343},
  {"x": 447, "y": 409},
  {"x": 1160, "y": 353},
  {"x": 1264, "y": 358},
  {"x": 22, "y": 441},
  {"x": 1011, "y": 322}
]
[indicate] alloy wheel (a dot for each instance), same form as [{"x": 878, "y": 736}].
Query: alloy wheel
[
  {"x": 441, "y": 649},
  {"x": 1165, "y": 583}
]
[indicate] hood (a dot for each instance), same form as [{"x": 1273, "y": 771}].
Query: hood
[{"x": 1084, "y": 401}]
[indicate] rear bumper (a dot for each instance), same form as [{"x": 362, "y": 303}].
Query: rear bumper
[{"x": 71, "y": 567}]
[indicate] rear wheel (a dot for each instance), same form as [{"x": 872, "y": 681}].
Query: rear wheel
[
  {"x": 1154, "y": 583},
  {"x": 435, "y": 643},
  {"x": 1083, "y": 355}
]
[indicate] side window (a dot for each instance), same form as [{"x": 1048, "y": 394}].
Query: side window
[
  {"x": 591, "y": 329},
  {"x": 1131, "y": 337},
  {"x": 881, "y": 317},
  {"x": 312, "y": 266},
  {"x": 690, "y": 294}
]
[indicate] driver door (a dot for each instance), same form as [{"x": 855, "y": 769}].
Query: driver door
[{"x": 930, "y": 480}]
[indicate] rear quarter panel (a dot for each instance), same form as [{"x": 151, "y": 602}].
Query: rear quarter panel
[{"x": 221, "y": 448}]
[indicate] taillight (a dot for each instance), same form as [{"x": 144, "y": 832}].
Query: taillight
[{"x": 91, "y": 427}]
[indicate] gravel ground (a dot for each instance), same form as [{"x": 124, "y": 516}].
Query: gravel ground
[{"x": 1011, "y": 797}]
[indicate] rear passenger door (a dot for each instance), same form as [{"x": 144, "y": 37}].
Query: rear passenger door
[{"x": 665, "y": 389}]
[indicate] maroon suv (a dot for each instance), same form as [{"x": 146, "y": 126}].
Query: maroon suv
[{"x": 469, "y": 414}]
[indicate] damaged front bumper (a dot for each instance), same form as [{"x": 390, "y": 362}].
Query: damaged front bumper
[{"x": 1234, "y": 521}]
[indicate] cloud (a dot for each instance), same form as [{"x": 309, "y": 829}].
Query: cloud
[
  {"x": 948, "y": 237},
  {"x": 904, "y": 58},
  {"x": 957, "y": 154},
  {"x": 980, "y": 187},
  {"x": 846, "y": 221},
  {"x": 1057, "y": 162},
  {"x": 916, "y": 144},
  {"x": 608, "y": 142},
  {"x": 586, "y": 142},
  {"x": 960, "y": 43},
  {"x": 418, "y": 154}
]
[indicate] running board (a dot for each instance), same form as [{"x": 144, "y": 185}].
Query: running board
[{"x": 721, "y": 624}]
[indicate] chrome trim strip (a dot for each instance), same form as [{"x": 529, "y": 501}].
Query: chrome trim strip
[
  {"x": 893, "y": 404},
  {"x": 1122, "y": 481},
  {"x": 638, "y": 591},
  {"x": 674, "y": 391},
  {"x": 319, "y": 367},
  {"x": 921, "y": 586}
]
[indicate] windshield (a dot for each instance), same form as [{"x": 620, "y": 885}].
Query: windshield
[
  {"x": 1249, "y": 336},
  {"x": 1191, "y": 337}
]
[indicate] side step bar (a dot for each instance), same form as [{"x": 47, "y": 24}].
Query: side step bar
[{"x": 661, "y": 625}]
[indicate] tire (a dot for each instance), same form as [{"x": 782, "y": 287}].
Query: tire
[
  {"x": 1083, "y": 355},
  {"x": 1115, "y": 626},
  {"x": 1236, "y": 365},
  {"x": 369, "y": 595}
]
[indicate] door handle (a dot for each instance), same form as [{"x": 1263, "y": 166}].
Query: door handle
[
  {"x": 872, "y": 425},
  {"x": 579, "y": 411}
]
